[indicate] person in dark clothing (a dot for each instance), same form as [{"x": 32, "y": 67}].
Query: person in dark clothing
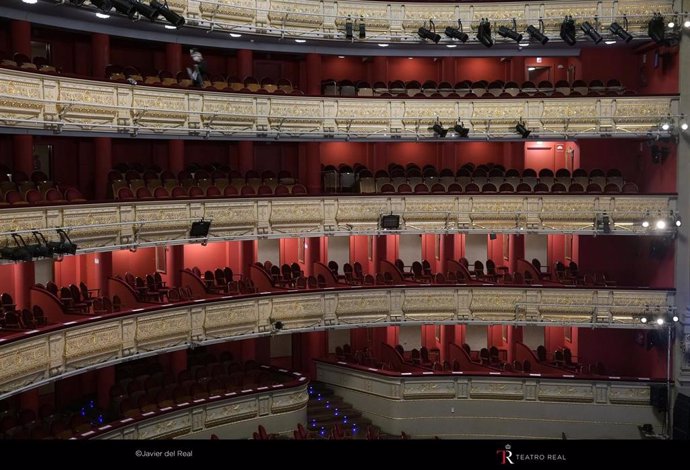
[{"x": 199, "y": 71}]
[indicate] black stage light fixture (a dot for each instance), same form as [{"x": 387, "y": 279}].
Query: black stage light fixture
[
  {"x": 439, "y": 130},
  {"x": 457, "y": 33},
  {"x": 657, "y": 28},
  {"x": 362, "y": 28},
  {"x": 484, "y": 33},
  {"x": 200, "y": 229},
  {"x": 125, "y": 7},
  {"x": 537, "y": 34},
  {"x": 172, "y": 17},
  {"x": 522, "y": 130},
  {"x": 431, "y": 35},
  {"x": 348, "y": 28},
  {"x": 568, "y": 31},
  {"x": 590, "y": 31},
  {"x": 461, "y": 130},
  {"x": 65, "y": 245},
  {"x": 390, "y": 222},
  {"x": 145, "y": 10},
  {"x": 103, "y": 5},
  {"x": 621, "y": 31},
  {"x": 506, "y": 32}
]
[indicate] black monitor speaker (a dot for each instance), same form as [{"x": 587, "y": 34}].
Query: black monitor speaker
[
  {"x": 390, "y": 222},
  {"x": 200, "y": 229}
]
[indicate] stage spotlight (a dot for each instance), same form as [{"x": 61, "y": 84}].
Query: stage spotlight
[
  {"x": 660, "y": 224},
  {"x": 537, "y": 34},
  {"x": 461, "y": 130},
  {"x": 172, "y": 17},
  {"x": 568, "y": 31},
  {"x": 620, "y": 31},
  {"x": 657, "y": 28},
  {"x": 484, "y": 33},
  {"x": 103, "y": 5},
  {"x": 125, "y": 7},
  {"x": 145, "y": 10},
  {"x": 362, "y": 28},
  {"x": 645, "y": 223},
  {"x": 674, "y": 318},
  {"x": 522, "y": 130},
  {"x": 348, "y": 28},
  {"x": 425, "y": 33},
  {"x": 660, "y": 321},
  {"x": 439, "y": 130},
  {"x": 506, "y": 32},
  {"x": 643, "y": 319},
  {"x": 76, "y": 2},
  {"x": 589, "y": 30},
  {"x": 457, "y": 33}
]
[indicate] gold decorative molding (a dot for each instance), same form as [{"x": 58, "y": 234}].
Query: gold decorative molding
[
  {"x": 62, "y": 104},
  {"x": 47, "y": 356}
]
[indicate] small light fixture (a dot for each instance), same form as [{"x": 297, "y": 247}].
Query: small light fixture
[
  {"x": 341, "y": 57},
  {"x": 30, "y": 2},
  {"x": 659, "y": 321},
  {"x": 451, "y": 46},
  {"x": 506, "y": 32},
  {"x": 620, "y": 31},
  {"x": 102, "y": 16},
  {"x": 660, "y": 224},
  {"x": 484, "y": 32},
  {"x": 438, "y": 129},
  {"x": 645, "y": 223},
  {"x": 674, "y": 318},
  {"x": 590, "y": 31},
  {"x": 235, "y": 35},
  {"x": 643, "y": 319},
  {"x": 383, "y": 44},
  {"x": 457, "y": 33},
  {"x": 460, "y": 129},
  {"x": 522, "y": 130},
  {"x": 538, "y": 33},
  {"x": 429, "y": 34},
  {"x": 609, "y": 42},
  {"x": 568, "y": 31},
  {"x": 300, "y": 41}
]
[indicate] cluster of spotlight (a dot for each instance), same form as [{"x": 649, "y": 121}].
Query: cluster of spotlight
[
  {"x": 663, "y": 223},
  {"x": 151, "y": 10},
  {"x": 459, "y": 128},
  {"x": 568, "y": 31},
  {"x": 659, "y": 318}
]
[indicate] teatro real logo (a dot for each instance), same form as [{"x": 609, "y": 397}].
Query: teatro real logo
[{"x": 508, "y": 457}]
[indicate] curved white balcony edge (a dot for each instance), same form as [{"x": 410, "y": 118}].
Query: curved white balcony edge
[
  {"x": 116, "y": 225},
  {"x": 73, "y": 348},
  {"x": 57, "y": 104}
]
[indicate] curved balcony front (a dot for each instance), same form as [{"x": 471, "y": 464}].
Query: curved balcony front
[
  {"x": 42, "y": 103},
  {"x": 70, "y": 345},
  {"x": 116, "y": 225}
]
